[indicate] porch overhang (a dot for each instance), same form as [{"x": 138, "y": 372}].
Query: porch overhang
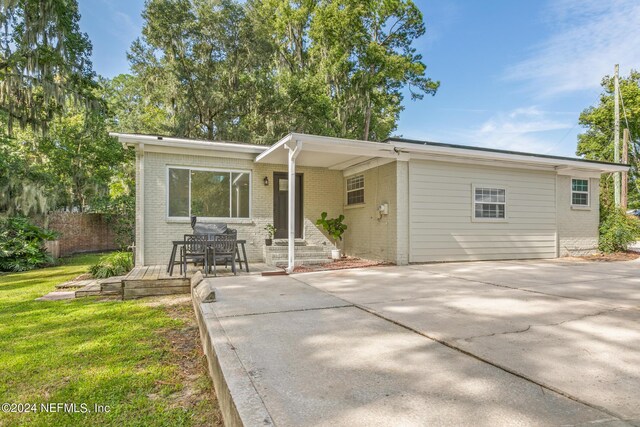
[{"x": 326, "y": 152}]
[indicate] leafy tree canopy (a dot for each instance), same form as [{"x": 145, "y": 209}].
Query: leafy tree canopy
[
  {"x": 596, "y": 142},
  {"x": 255, "y": 70}
]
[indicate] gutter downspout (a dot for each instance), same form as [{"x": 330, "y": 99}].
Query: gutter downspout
[{"x": 293, "y": 154}]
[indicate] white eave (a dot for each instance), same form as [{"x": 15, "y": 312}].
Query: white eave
[
  {"x": 165, "y": 144},
  {"x": 327, "y": 152},
  {"x": 449, "y": 153},
  {"x": 351, "y": 155}
]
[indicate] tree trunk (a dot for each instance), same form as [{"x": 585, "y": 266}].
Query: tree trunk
[{"x": 367, "y": 120}]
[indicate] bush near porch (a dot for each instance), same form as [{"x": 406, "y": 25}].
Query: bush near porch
[{"x": 129, "y": 355}]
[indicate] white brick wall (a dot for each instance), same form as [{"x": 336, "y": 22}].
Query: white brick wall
[
  {"x": 577, "y": 227},
  {"x": 370, "y": 235},
  {"x": 323, "y": 191}
]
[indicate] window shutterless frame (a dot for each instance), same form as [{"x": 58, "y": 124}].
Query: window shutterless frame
[
  {"x": 581, "y": 191},
  {"x": 489, "y": 187},
  {"x": 357, "y": 183},
  {"x": 230, "y": 171}
]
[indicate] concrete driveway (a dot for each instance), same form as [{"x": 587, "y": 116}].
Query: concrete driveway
[{"x": 484, "y": 343}]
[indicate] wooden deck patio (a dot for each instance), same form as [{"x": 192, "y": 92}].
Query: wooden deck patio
[{"x": 154, "y": 280}]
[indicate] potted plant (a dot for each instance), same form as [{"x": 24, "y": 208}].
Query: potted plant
[
  {"x": 271, "y": 232},
  {"x": 335, "y": 228}
]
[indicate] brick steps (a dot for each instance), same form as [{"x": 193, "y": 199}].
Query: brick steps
[{"x": 305, "y": 254}]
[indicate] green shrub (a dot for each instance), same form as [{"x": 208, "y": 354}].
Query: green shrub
[
  {"x": 617, "y": 230},
  {"x": 113, "y": 264},
  {"x": 22, "y": 244},
  {"x": 333, "y": 226}
]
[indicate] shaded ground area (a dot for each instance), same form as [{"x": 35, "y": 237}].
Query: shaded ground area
[
  {"x": 488, "y": 343},
  {"x": 140, "y": 358}
]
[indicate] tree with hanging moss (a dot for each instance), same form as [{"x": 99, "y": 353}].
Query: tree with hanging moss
[
  {"x": 255, "y": 70},
  {"x": 44, "y": 61}
]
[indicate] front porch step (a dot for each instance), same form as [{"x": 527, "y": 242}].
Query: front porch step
[
  {"x": 285, "y": 242},
  {"x": 309, "y": 261},
  {"x": 301, "y": 255},
  {"x": 305, "y": 254}
]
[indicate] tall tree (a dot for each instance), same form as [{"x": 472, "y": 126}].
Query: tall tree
[
  {"x": 354, "y": 56},
  {"x": 596, "y": 143},
  {"x": 198, "y": 51},
  {"x": 256, "y": 70},
  {"x": 44, "y": 61}
]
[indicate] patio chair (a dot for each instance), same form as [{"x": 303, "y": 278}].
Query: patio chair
[
  {"x": 194, "y": 249},
  {"x": 223, "y": 249}
]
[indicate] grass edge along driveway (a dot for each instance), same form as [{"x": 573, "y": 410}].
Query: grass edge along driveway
[{"x": 127, "y": 355}]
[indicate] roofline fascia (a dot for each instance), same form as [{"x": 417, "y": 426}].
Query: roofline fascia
[
  {"x": 490, "y": 154},
  {"x": 129, "y": 140},
  {"x": 425, "y": 146}
]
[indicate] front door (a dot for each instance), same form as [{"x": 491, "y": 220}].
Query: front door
[{"x": 280, "y": 200}]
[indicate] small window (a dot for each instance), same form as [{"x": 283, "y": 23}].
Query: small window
[
  {"x": 355, "y": 190},
  {"x": 580, "y": 192},
  {"x": 489, "y": 203}
]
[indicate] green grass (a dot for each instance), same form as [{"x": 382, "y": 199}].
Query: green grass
[{"x": 86, "y": 351}]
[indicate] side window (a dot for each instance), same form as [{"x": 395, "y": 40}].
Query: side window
[
  {"x": 489, "y": 203},
  {"x": 355, "y": 190},
  {"x": 580, "y": 192}
]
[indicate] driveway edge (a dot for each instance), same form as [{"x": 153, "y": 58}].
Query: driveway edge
[{"x": 239, "y": 401}]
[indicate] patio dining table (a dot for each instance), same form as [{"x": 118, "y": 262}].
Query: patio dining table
[{"x": 241, "y": 257}]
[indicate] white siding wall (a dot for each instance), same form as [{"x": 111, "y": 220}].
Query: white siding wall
[{"x": 441, "y": 209}]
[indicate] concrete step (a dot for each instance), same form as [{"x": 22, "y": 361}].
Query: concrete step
[
  {"x": 309, "y": 261},
  {"x": 297, "y": 249},
  {"x": 285, "y": 242},
  {"x": 284, "y": 255}
]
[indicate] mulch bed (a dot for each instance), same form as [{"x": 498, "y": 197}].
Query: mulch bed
[
  {"x": 616, "y": 256},
  {"x": 341, "y": 264}
]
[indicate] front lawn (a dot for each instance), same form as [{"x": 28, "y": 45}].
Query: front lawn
[{"x": 139, "y": 358}]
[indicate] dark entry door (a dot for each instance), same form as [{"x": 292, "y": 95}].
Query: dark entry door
[{"x": 280, "y": 211}]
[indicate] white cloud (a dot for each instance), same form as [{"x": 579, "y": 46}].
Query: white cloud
[
  {"x": 587, "y": 38},
  {"x": 528, "y": 129}
]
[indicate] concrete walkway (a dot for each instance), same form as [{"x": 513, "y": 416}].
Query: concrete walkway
[{"x": 496, "y": 343}]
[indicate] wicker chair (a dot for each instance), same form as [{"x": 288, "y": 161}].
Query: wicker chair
[
  {"x": 194, "y": 249},
  {"x": 223, "y": 250}
]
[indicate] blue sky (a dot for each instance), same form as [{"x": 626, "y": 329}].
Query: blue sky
[{"x": 514, "y": 74}]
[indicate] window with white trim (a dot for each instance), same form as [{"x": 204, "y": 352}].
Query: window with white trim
[
  {"x": 579, "y": 192},
  {"x": 355, "y": 190},
  {"x": 489, "y": 203},
  {"x": 208, "y": 193}
]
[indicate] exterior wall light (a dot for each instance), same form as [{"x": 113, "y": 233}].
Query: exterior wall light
[{"x": 266, "y": 180}]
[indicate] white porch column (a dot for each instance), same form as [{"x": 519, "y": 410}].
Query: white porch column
[{"x": 294, "y": 150}]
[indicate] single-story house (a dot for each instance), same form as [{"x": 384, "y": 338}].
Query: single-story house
[{"x": 404, "y": 201}]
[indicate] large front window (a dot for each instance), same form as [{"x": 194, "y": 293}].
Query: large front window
[{"x": 209, "y": 193}]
